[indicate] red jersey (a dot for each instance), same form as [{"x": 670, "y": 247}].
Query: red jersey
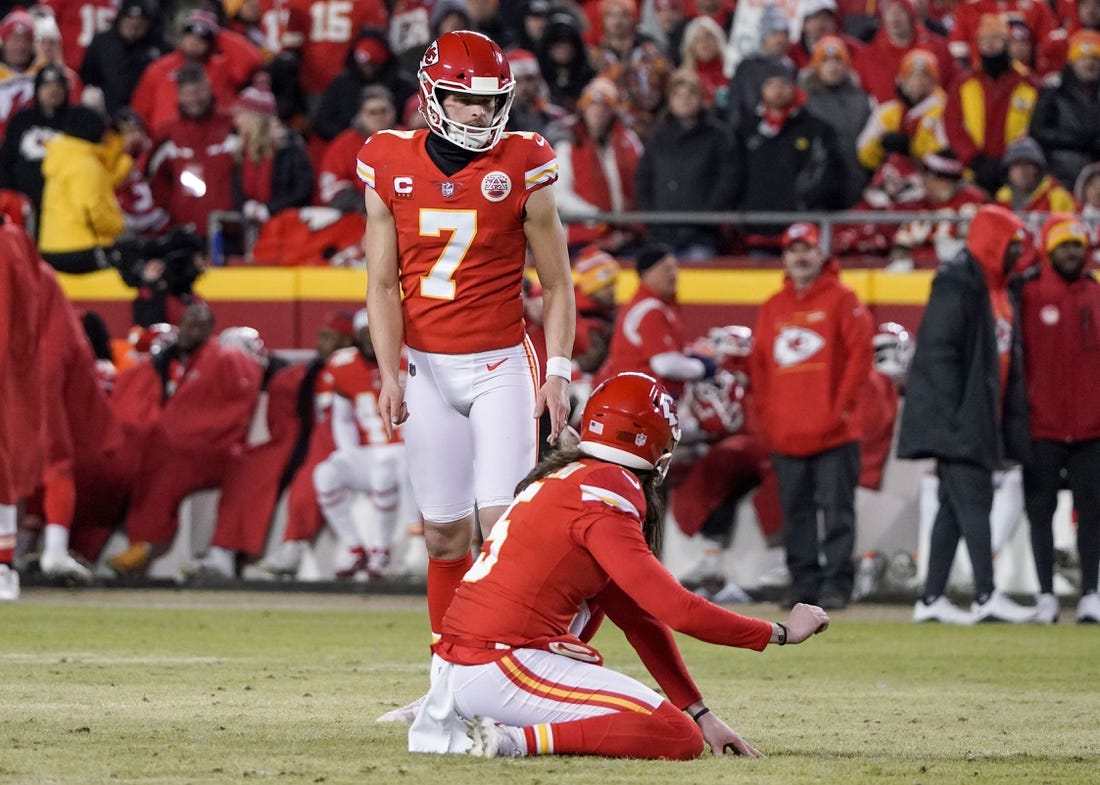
[
  {"x": 79, "y": 21},
  {"x": 353, "y": 376},
  {"x": 567, "y": 538},
  {"x": 645, "y": 327},
  {"x": 338, "y": 166},
  {"x": 190, "y": 169},
  {"x": 410, "y": 25},
  {"x": 460, "y": 239},
  {"x": 322, "y": 30}
]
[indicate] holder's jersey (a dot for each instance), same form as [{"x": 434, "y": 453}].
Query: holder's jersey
[
  {"x": 460, "y": 241},
  {"x": 350, "y": 375},
  {"x": 562, "y": 540}
]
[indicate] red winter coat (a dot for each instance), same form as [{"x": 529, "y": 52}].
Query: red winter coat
[
  {"x": 200, "y": 428},
  {"x": 21, "y": 403},
  {"x": 811, "y": 355},
  {"x": 251, "y": 489},
  {"x": 877, "y": 409},
  {"x": 1061, "y": 334}
]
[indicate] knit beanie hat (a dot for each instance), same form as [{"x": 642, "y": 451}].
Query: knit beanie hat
[
  {"x": 85, "y": 123},
  {"x": 650, "y": 255}
]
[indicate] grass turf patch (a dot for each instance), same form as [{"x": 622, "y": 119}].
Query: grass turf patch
[{"x": 123, "y": 693}]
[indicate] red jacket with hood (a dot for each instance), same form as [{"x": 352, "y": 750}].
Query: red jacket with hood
[
  {"x": 1060, "y": 320},
  {"x": 811, "y": 354}
]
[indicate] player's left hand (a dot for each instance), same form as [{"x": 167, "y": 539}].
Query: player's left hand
[
  {"x": 554, "y": 396},
  {"x": 722, "y": 738}
]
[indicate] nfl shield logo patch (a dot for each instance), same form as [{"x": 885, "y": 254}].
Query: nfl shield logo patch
[{"x": 448, "y": 190}]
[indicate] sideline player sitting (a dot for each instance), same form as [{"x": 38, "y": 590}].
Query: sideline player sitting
[
  {"x": 509, "y": 678},
  {"x": 365, "y": 460}
]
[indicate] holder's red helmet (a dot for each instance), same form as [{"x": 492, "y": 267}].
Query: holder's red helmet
[
  {"x": 463, "y": 61},
  {"x": 631, "y": 420}
]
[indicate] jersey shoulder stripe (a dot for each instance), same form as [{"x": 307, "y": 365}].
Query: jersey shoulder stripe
[
  {"x": 541, "y": 175},
  {"x": 365, "y": 172},
  {"x": 594, "y": 493}
]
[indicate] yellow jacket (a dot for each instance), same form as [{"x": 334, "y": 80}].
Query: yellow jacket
[
  {"x": 922, "y": 123},
  {"x": 79, "y": 207}
]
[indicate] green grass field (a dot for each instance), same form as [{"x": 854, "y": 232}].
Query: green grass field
[{"x": 201, "y": 687}]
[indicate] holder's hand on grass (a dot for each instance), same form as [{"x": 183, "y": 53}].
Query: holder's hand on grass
[{"x": 803, "y": 621}]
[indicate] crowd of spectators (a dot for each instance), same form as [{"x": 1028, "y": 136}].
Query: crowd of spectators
[{"x": 255, "y": 108}]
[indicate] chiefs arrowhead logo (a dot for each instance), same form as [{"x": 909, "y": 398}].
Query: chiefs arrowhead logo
[{"x": 796, "y": 344}]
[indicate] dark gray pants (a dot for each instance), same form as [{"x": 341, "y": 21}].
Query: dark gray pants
[
  {"x": 825, "y": 482},
  {"x": 1080, "y": 462},
  {"x": 966, "y": 498}
]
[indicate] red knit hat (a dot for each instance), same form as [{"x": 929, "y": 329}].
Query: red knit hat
[
  {"x": 371, "y": 50},
  {"x": 257, "y": 100},
  {"x": 18, "y": 21}
]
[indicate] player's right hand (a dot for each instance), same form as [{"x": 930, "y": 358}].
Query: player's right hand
[
  {"x": 804, "y": 621},
  {"x": 391, "y": 407}
]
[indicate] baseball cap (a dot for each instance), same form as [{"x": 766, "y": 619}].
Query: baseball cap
[{"x": 801, "y": 233}]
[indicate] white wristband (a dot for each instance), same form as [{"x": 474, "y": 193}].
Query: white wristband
[{"x": 559, "y": 366}]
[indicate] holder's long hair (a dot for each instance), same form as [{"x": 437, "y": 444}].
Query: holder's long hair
[{"x": 652, "y": 524}]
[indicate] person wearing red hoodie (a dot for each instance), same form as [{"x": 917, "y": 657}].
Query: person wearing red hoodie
[
  {"x": 812, "y": 353},
  {"x": 648, "y": 335},
  {"x": 965, "y": 406},
  {"x": 1060, "y": 321}
]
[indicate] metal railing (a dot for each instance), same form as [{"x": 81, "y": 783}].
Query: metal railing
[{"x": 826, "y": 221}]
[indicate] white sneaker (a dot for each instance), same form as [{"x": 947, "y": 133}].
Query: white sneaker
[
  {"x": 378, "y": 560},
  {"x": 286, "y": 559},
  {"x": 219, "y": 561},
  {"x": 730, "y": 594},
  {"x": 999, "y": 608},
  {"x": 491, "y": 740},
  {"x": 9, "y": 584},
  {"x": 941, "y": 610},
  {"x": 1088, "y": 609},
  {"x": 1046, "y": 609},
  {"x": 59, "y": 564},
  {"x": 406, "y": 714}
]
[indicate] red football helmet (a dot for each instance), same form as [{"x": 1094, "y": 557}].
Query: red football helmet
[
  {"x": 893, "y": 350},
  {"x": 465, "y": 62},
  {"x": 246, "y": 340},
  {"x": 717, "y": 404},
  {"x": 631, "y": 420}
]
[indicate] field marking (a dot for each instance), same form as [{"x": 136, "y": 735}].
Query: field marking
[{"x": 90, "y": 658}]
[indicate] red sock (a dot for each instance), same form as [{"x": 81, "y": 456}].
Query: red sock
[
  {"x": 666, "y": 733},
  {"x": 444, "y": 577},
  {"x": 59, "y": 500}
]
